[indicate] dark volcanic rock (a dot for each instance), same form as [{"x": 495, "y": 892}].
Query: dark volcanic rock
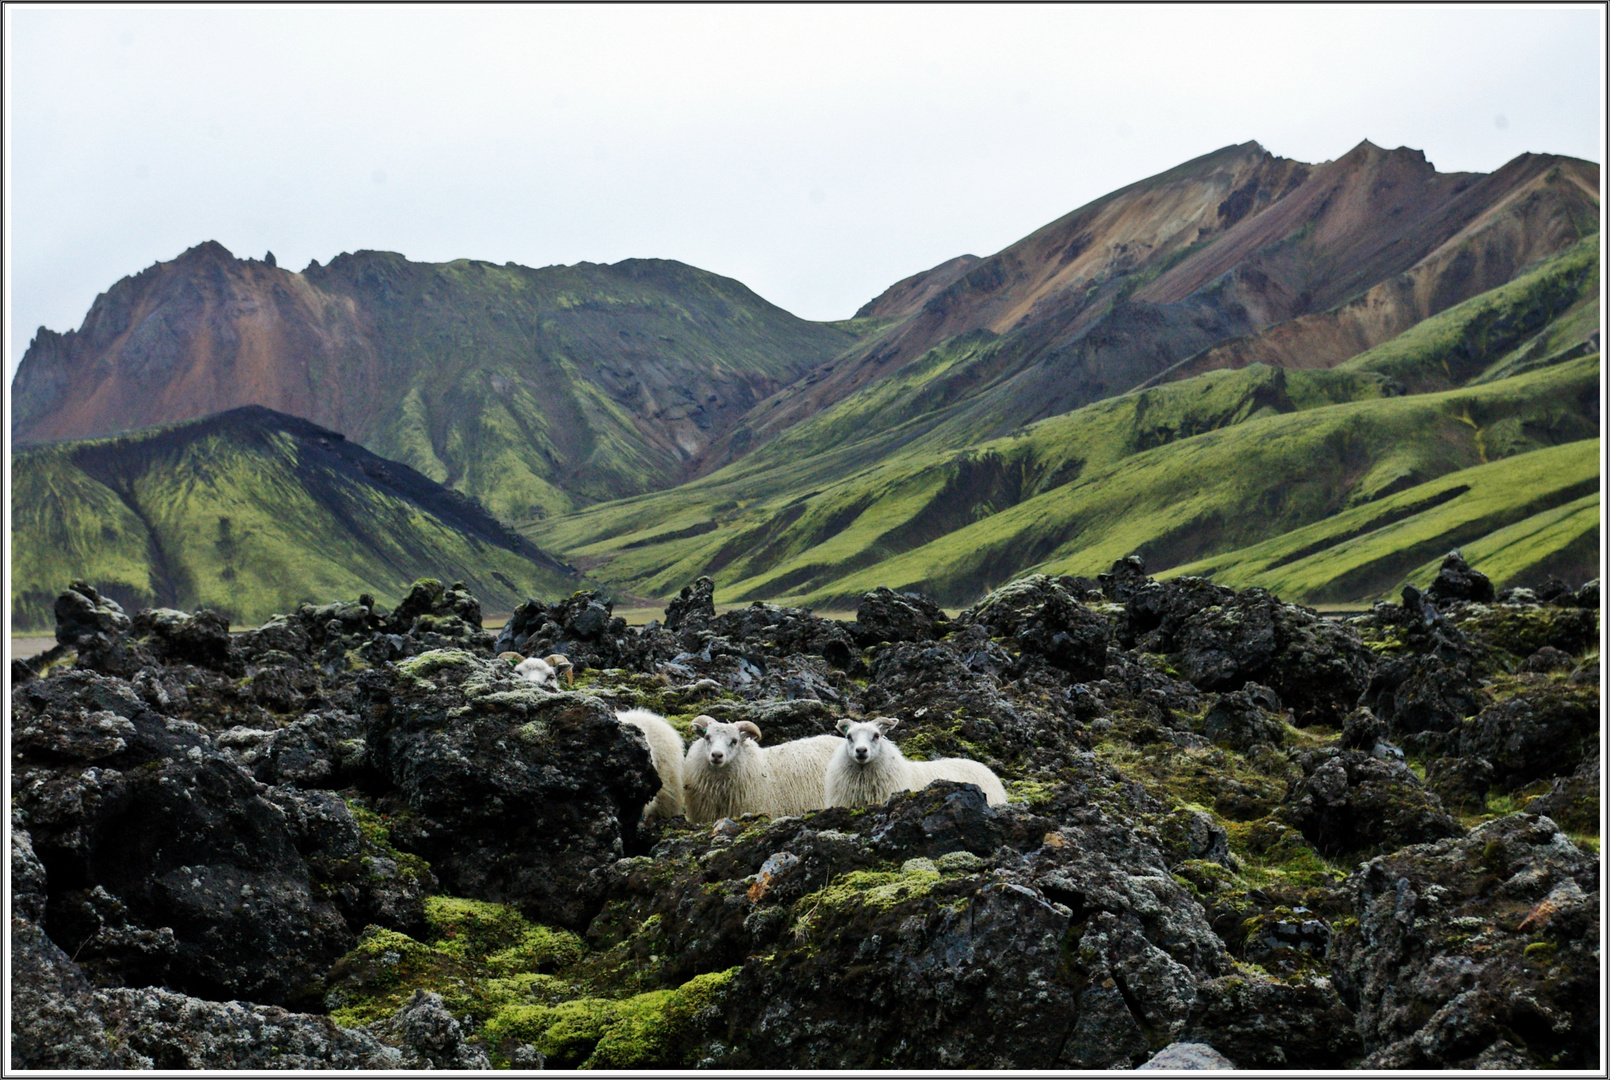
[
  {"x": 518, "y": 793},
  {"x": 1572, "y": 801},
  {"x": 1542, "y": 733},
  {"x": 1273, "y": 1024},
  {"x": 165, "y": 863},
  {"x": 907, "y": 953},
  {"x": 173, "y": 1031},
  {"x": 1349, "y": 802},
  {"x": 696, "y": 603},
  {"x": 1156, "y": 611},
  {"x": 582, "y": 627},
  {"x": 1317, "y": 667},
  {"x": 55, "y": 1021},
  {"x": 84, "y": 617},
  {"x": 1126, "y": 576},
  {"x": 1243, "y": 718},
  {"x": 1547, "y": 659},
  {"x": 1522, "y": 629},
  {"x": 1423, "y": 693},
  {"x": 885, "y": 615},
  {"x": 1466, "y": 944},
  {"x": 1457, "y": 581},
  {"x": 174, "y": 637},
  {"x": 1460, "y": 782},
  {"x": 321, "y": 750},
  {"x": 198, "y": 816},
  {"x": 1040, "y": 616}
]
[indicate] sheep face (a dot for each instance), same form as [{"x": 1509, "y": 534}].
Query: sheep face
[
  {"x": 563, "y": 669},
  {"x": 724, "y": 742},
  {"x": 536, "y": 670},
  {"x": 865, "y": 738}
]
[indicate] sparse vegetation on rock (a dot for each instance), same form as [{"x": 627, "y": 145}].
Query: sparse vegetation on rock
[{"x": 356, "y": 838}]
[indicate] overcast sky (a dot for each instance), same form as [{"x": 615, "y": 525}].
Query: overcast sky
[{"x": 817, "y": 154}]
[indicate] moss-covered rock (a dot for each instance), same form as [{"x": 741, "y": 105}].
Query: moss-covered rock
[
  {"x": 1442, "y": 963},
  {"x": 517, "y": 792}
]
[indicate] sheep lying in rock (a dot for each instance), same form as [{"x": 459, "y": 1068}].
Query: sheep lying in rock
[
  {"x": 563, "y": 670},
  {"x": 727, "y": 773},
  {"x": 547, "y": 671},
  {"x": 536, "y": 669},
  {"x": 867, "y": 767},
  {"x": 665, "y": 748}
]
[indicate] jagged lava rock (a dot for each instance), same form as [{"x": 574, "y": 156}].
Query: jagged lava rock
[
  {"x": 1468, "y": 943},
  {"x": 1243, "y": 718},
  {"x": 1350, "y": 802},
  {"x": 517, "y": 792},
  {"x": 1544, "y": 732},
  {"x": 166, "y": 863},
  {"x": 885, "y": 615},
  {"x": 1456, "y": 580},
  {"x": 1040, "y": 616},
  {"x": 1318, "y": 667},
  {"x": 694, "y": 604}
]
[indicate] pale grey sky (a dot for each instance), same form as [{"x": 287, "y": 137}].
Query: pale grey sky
[{"x": 817, "y": 154}]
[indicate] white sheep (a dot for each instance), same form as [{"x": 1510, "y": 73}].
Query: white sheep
[
  {"x": 665, "y": 748},
  {"x": 867, "y": 768},
  {"x": 727, "y": 773},
  {"x": 563, "y": 670},
  {"x": 536, "y": 669}
]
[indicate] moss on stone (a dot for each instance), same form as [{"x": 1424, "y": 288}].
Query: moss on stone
[
  {"x": 376, "y": 833},
  {"x": 1541, "y": 952},
  {"x": 481, "y": 957},
  {"x": 877, "y": 889},
  {"x": 434, "y": 661},
  {"x": 1032, "y": 792},
  {"x": 658, "y": 1029}
]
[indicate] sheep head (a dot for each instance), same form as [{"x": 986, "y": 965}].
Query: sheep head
[
  {"x": 864, "y": 738},
  {"x": 536, "y": 670},
  {"x": 562, "y": 667},
  {"x": 724, "y": 742}
]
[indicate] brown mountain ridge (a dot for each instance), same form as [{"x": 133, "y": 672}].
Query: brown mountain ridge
[{"x": 543, "y": 391}]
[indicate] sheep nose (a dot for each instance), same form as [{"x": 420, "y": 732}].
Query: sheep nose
[
  {"x": 716, "y": 757},
  {"x": 860, "y": 753}
]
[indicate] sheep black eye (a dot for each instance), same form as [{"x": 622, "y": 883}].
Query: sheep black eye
[{"x": 876, "y": 736}]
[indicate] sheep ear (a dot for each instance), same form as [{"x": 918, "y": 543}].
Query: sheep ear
[
  {"x": 699, "y": 724},
  {"x": 844, "y": 725},
  {"x": 887, "y": 724},
  {"x": 749, "y": 729}
]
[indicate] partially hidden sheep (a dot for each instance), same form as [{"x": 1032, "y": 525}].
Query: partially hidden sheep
[
  {"x": 536, "y": 669},
  {"x": 727, "y": 773},
  {"x": 665, "y": 748},
  {"x": 546, "y": 671},
  {"x": 564, "y": 671},
  {"x": 867, "y": 768}
]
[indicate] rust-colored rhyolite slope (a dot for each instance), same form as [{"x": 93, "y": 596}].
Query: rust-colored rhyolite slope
[
  {"x": 535, "y": 390},
  {"x": 1235, "y": 257}
]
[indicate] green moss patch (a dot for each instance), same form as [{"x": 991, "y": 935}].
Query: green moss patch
[
  {"x": 660, "y": 1029},
  {"x": 479, "y": 956}
]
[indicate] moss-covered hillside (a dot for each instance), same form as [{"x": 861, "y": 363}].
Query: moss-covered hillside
[
  {"x": 534, "y": 390},
  {"x": 1184, "y": 472},
  {"x": 248, "y": 513}
]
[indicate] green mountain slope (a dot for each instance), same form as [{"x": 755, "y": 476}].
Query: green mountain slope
[
  {"x": 249, "y": 512},
  {"x": 1236, "y": 257},
  {"x": 1176, "y": 473},
  {"x": 533, "y": 390},
  {"x": 837, "y": 500},
  {"x": 1535, "y": 318},
  {"x": 1520, "y": 519}
]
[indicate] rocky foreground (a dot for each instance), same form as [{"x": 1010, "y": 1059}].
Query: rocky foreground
[{"x": 1238, "y": 832}]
